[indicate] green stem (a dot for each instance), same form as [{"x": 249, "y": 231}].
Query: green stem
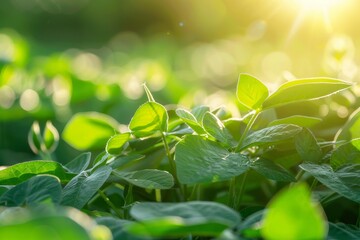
[
  {"x": 45, "y": 156},
  {"x": 110, "y": 204},
  {"x": 247, "y": 129},
  {"x": 238, "y": 196},
  {"x": 313, "y": 184}
]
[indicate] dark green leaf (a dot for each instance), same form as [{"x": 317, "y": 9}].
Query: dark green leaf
[
  {"x": 200, "y": 161},
  {"x": 79, "y": 164},
  {"x": 348, "y": 153},
  {"x": 90, "y": 130},
  {"x": 148, "y": 119},
  {"x": 342, "y": 231},
  {"x": 216, "y": 129},
  {"x": 121, "y": 161},
  {"x": 148, "y": 178},
  {"x": 251, "y": 92},
  {"x": 82, "y": 187},
  {"x": 303, "y": 90},
  {"x": 292, "y": 215},
  {"x": 35, "y": 190},
  {"x": 272, "y": 171},
  {"x": 307, "y": 146},
  {"x": 20, "y": 172}
]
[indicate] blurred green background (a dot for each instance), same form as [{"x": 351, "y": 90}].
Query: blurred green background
[{"x": 61, "y": 57}]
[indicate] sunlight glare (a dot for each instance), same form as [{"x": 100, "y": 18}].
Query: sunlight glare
[{"x": 317, "y": 5}]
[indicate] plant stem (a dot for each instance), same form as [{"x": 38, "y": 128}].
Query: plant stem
[
  {"x": 313, "y": 184},
  {"x": 247, "y": 129},
  {"x": 238, "y": 196},
  {"x": 158, "y": 195},
  {"x": 110, "y": 204}
]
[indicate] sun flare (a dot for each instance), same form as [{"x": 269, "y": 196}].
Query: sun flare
[{"x": 317, "y": 5}]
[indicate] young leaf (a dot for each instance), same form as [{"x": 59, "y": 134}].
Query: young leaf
[
  {"x": 307, "y": 146},
  {"x": 82, "y": 187},
  {"x": 348, "y": 153},
  {"x": 190, "y": 120},
  {"x": 216, "y": 128},
  {"x": 292, "y": 215},
  {"x": 90, "y": 130},
  {"x": 202, "y": 161},
  {"x": 148, "y": 119},
  {"x": 20, "y": 172},
  {"x": 79, "y": 164},
  {"x": 148, "y": 178},
  {"x": 34, "y": 138},
  {"x": 345, "y": 181},
  {"x": 50, "y": 138},
  {"x": 35, "y": 190},
  {"x": 251, "y": 92},
  {"x": 116, "y": 143},
  {"x": 199, "y": 112},
  {"x": 271, "y": 135},
  {"x": 272, "y": 171},
  {"x": 303, "y": 90},
  {"x": 302, "y": 121}
]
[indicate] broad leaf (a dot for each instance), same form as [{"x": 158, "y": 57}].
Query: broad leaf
[
  {"x": 351, "y": 128},
  {"x": 196, "y": 211},
  {"x": 271, "y": 135},
  {"x": 79, "y": 164},
  {"x": 190, "y": 120},
  {"x": 20, "y": 172},
  {"x": 251, "y": 92},
  {"x": 89, "y": 131},
  {"x": 216, "y": 129},
  {"x": 272, "y": 171},
  {"x": 200, "y": 161},
  {"x": 82, "y": 187},
  {"x": 348, "y": 153},
  {"x": 199, "y": 112},
  {"x": 302, "y": 121},
  {"x": 292, "y": 215},
  {"x": 122, "y": 161},
  {"x": 35, "y": 190},
  {"x": 342, "y": 231},
  {"x": 148, "y": 178},
  {"x": 116, "y": 143},
  {"x": 307, "y": 146},
  {"x": 117, "y": 227},
  {"x": 303, "y": 90},
  {"x": 148, "y": 119},
  {"x": 345, "y": 181}
]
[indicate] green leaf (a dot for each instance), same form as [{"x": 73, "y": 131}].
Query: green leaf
[
  {"x": 197, "y": 211},
  {"x": 148, "y": 119},
  {"x": 122, "y": 161},
  {"x": 117, "y": 227},
  {"x": 307, "y": 147},
  {"x": 201, "y": 161},
  {"x": 272, "y": 171},
  {"x": 34, "y": 137},
  {"x": 35, "y": 190},
  {"x": 82, "y": 187},
  {"x": 116, "y": 143},
  {"x": 148, "y": 178},
  {"x": 50, "y": 138},
  {"x": 351, "y": 128},
  {"x": 271, "y": 135},
  {"x": 345, "y": 181},
  {"x": 199, "y": 112},
  {"x": 348, "y": 153},
  {"x": 20, "y": 172},
  {"x": 79, "y": 164},
  {"x": 342, "y": 231},
  {"x": 190, "y": 120},
  {"x": 216, "y": 129},
  {"x": 303, "y": 90},
  {"x": 89, "y": 131},
  {"x": 292, "y": 215},
  {"x": 251, "y": 92},
  {"x": 302, "y": 121}
]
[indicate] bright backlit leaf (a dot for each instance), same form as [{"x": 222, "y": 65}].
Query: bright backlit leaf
[
  {"x": 149, "y": 118},
  {"x": 271, "y": 135},
  {"x": 35, "y": 190},
  {"x": 148, "y": 178},
  {"x": 199, "y": 161},
  {"x": 345, "y": 181},
  {"x": 116, "y": 143},
  {"x": 292, "y": 215},
  {"x": 348, "y": 153},
  {"x": 190, "y": 120},
  {"x": 82, "y": 187},
  {"x": 303, "y": 90},
  {"x": 90, "y": 130},
  {"x": 351, "y": 129},
  {"x": 251, "y": 92}
]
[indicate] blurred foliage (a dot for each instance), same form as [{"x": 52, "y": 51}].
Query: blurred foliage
[{"x": 62, "y": 57}]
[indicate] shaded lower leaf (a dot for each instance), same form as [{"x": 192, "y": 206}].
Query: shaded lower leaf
[
  {"x": 272, "y": 171},
  {"x": 348, "y": 153},
  {"x": 148, "y": 178},
  {"x": 20, "y": 172},
  {"x": 124, "y": 160},
  {"x": 342, "y": 231},
  {"x": 80, "y": 163},
  {"x": 35, "y": 190},
  {"x": 199, "y": 161},
  {"x": 82, "y": 187},
  {"x": 117, "y": 227},
  {"x": 216, "y": 129},
  {"x": 345, "y": 181},
  {"x": 307, "y": 146}
]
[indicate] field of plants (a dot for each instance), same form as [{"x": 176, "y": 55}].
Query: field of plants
[{"x": 191, "y": 120}]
